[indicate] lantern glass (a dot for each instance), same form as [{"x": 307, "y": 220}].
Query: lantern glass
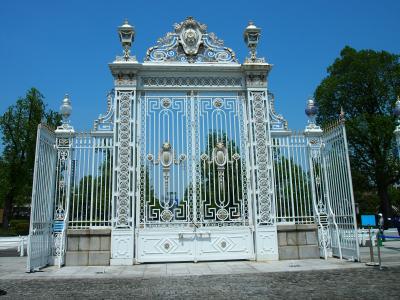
[{"x": 253, "y": 37}]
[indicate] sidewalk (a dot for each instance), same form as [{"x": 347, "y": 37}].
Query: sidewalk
[{"x": 15, "y": 267}]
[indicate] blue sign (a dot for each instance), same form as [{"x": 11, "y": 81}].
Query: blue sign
[
  {"x": 368, "y": 220},
  {"x": 58, "y": 226}
]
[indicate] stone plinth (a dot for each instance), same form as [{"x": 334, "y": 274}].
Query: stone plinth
[
  {"x": 298, "y": 241},
  {"x": 88, "y": 247}
]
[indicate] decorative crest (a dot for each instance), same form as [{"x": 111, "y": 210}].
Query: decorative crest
[{"x": 190, "y": 43}]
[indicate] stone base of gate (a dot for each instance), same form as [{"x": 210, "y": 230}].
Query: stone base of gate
[
  {"x": 298, "y": 241},
  {"x": 88, "y": 247}
]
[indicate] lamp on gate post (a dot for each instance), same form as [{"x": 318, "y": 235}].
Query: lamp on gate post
[
  {"x": 126, "y": 34},
  {"x": 251, "y": 37},
  {"x": 396, "y": 112}
]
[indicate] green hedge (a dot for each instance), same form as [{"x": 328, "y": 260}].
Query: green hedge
[{"x": 20, "y": 227}]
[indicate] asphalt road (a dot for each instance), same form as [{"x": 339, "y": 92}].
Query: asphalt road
[{"x": 364, "y": 283}]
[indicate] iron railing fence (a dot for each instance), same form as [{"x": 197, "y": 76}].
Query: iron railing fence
[
  {"x": 293, "y": 196},
  {"x": 340, "y": 197},
  {"x": 90, "y": 180}
]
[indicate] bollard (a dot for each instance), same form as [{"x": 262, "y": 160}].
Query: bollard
[
  {"x": 21, "y": 246},
  {"x": 379, "y": 251},
  {"x": 371, "y": 251},
  {"x": 22, "y": 243}
]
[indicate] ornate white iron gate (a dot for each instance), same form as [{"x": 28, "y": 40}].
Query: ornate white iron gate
[
  {"x": 43, "y": 189},
  {"x": 193, "y": 179},
  {"x": 191, "y": 162},
  {"x": 339, "y": 193},
  {"x": 313, "y": 185}
]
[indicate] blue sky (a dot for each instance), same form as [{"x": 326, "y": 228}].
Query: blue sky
[{"x": 65, "y": 46}]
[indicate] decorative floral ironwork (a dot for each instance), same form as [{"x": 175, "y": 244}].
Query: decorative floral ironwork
[
  {"x": 166, "y": 102},
  {"x": 124, "y": 133},
  {"x": 264, "y": 169},
  {"x": 218, "y": 103},
  {"x": 190, "y": 43}
]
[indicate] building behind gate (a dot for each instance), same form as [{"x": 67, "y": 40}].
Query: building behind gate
[{"x": 190, "y": 163}]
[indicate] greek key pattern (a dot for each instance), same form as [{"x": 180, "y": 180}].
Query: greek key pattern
[
  {"x": 124, "y": 157},
  {"x": 264, "y": 170}
]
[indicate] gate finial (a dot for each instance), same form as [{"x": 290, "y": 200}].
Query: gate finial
[
  {"x": 65, "y": 111},
  {"x": 311, "y": 112},
  {"x": 342, "y": 118}
]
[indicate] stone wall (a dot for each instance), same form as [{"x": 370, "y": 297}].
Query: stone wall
[
  {"x": 298, "y": 241},
  {"x": 88, "y": 247}
]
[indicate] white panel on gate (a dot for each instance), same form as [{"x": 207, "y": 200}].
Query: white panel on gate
[
  {"x": 267, "y": 248},
  {"x": 226, "y": 243},
  {"x": 166, "y": 245}
]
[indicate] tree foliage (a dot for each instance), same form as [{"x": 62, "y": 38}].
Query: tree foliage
[
  {"x": 365, "y": 83},
  {"x": 18, "y": 126}
]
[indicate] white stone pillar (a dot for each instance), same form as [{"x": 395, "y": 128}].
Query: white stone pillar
[
  {"x": 262, "y": 190},
  {"x": 124, "y": 176}
]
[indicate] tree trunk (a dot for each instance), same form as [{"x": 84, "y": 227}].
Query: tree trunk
[
  {"x": 7, "y": 213},
  {"x": 385, "y": 205}
]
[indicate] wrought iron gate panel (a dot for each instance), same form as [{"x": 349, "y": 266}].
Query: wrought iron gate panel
[
  {"x": 193, "y": 178},
  {"x": 43, "y": 188},
  {"x": 166, "y": 186},
  {"x": 221, "y": 162},
  {"x": 91, "y": 181},
  {"x": 292, "y": 179},
  {"x": 320, "y": 196},
  {"x": 340, "y": 197}
]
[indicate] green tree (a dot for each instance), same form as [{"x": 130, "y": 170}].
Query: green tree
[
  {"x": 18, "y": 126},
  {"x": 365, "y": 83}
]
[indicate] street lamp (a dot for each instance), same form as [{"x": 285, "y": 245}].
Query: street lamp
[
  {"x": 126, "y": 34},
  {"x": 251, "y": 37}
]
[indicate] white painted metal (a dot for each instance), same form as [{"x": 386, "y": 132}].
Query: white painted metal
[
  {"x": 91, "y": 180},
  {"x": 193, "y": 191},
  {"x": 292, "y": 179},
  {"x": 340, "y": 193},
  {"x": 191, "y": 162},
  {"x": 40, "y": 232}
]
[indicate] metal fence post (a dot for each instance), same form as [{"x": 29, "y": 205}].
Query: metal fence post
[
  {"x": 313, "y": 134},
  {"x": 64, "y": 141}
]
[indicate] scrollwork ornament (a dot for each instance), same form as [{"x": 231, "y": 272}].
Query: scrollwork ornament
[
  {"x": 190, "y": 43},
  {"x": 124, "y": 134},
  {"x": 264, "y": 176}
]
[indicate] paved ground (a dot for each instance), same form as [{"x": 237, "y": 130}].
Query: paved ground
[
  {"x": 314, "y": 278},
  {"x": 363, "y": 283}
]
